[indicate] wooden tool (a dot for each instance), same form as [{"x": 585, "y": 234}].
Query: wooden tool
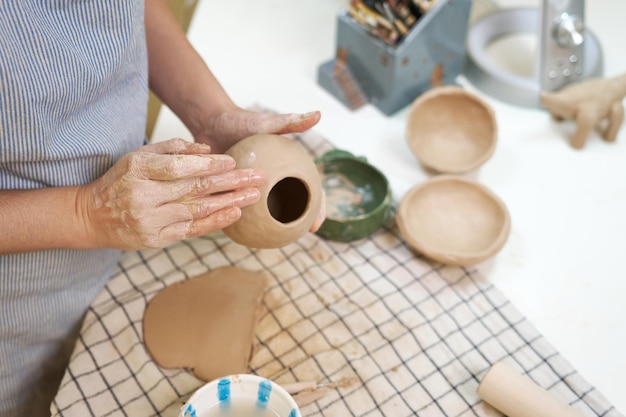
[{"x": 516, "y": 395}]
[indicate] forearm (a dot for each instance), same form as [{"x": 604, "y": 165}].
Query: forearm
[
  {"x": 47, "y": 218},
  {"x": 177, "y": 74}
]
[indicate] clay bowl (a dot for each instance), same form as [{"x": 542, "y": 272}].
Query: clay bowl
[
  {"x": 358, "y": 196},
  {"x": 453, "y": 220},
  {"x": 450, "y": 130}
]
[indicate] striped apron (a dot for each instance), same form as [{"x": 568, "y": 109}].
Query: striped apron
[{"x": 73, "y": 95}]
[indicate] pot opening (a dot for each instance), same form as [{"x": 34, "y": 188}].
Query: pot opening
[{"x": 288, "y": 200}]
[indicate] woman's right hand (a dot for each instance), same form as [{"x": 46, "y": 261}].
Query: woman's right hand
[{"x": 163, "y": 193}]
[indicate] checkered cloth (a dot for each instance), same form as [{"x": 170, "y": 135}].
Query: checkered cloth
[{"x": 417, "y": 336}]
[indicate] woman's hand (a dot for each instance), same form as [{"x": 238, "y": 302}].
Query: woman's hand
[
  {"x": 224, "y": 129},
  {"x": 163, "y": 193}
]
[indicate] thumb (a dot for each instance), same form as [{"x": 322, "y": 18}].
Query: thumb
[{"x": 284, "y": 123}]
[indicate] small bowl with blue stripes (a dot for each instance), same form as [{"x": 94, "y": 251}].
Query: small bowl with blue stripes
[{"x": 240, "y": 395}]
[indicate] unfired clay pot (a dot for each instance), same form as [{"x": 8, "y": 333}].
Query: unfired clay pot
[
  {"x": 291, "y": 196},
  {"x": 453, "y": 220},
  {"x": 450, "y": 130}
]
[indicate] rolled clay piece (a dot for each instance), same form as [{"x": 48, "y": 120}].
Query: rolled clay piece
[
  {"x": 291, "y": 196},
  {"x": 516, "y": 395}
]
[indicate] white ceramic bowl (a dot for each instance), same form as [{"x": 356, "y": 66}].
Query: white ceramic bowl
[{"x": 239, "y": 396}]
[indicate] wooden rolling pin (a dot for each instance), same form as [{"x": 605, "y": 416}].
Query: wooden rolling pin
[{"x": 516, "y": 395}]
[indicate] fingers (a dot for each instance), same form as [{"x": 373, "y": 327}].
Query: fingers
[
  {"x": 177, "y": 146},
  {"x": 198, "y": 227},
  {"x": 209, "y": 214},
  {"x": 191, "y": 209},
  {"x": 294, "y": 123},
  {"x": 200, "y": 207},
  {"x": 205, "y": 207},
  {"x": 166, "y": 167},
  {"x": 218, "y": 221},
  {"x": 192, "y": 188},
  {"x": 282, "y": 123},
  {"x": 177, "y": 158},
  {"x": 197, "y": 217},
  {"x": 225, "y": 129}
]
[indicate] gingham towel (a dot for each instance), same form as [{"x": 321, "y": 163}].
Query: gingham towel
[{"x": 417, "y": 336}]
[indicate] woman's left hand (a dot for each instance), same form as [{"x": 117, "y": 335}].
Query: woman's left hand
[{"x": 225, "y": 129}]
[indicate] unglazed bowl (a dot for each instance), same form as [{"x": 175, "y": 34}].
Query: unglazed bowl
[
  {"x": 453, "y": 220},
  {"x": 451, "y": 130},
  {"x": 358, "y": 196}
]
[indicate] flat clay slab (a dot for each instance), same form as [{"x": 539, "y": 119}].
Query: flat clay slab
[
  {"x": 205, "y": 323},
  {"x": 453, "y": 220}
]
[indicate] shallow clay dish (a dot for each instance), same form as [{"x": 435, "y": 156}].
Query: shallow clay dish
[
  {"x": 453, "y": 220},
  {"x": 450, "y": 130},
  {"x": 358, "y": 196}
]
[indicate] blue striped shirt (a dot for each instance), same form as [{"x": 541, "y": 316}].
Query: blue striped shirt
[{"x": 73, "y": 94}]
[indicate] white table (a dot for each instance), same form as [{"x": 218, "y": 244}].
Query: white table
[{"x": 563, "y": 265}]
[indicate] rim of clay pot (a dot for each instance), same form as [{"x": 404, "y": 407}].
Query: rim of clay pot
[
  {"x": 406, "y": 220},
  {"x": 450, "y": 156},
  {"x": 345, "y": 226},
  {"x": 229, "y": 390}
]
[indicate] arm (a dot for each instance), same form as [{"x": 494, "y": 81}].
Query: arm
[
  {"x": 160, "y": 194},
  {"x": 182, "y": 80},
  {"x": 41, "y": 219},
  {"x": 177, "y": 74}
]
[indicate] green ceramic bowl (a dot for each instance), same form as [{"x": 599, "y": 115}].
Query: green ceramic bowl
[{"x": 358, "y": 196}]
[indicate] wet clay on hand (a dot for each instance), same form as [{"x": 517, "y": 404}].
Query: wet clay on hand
[
  {"x": 205, "y": 323},
  {"x": 589, "y": 103}
]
